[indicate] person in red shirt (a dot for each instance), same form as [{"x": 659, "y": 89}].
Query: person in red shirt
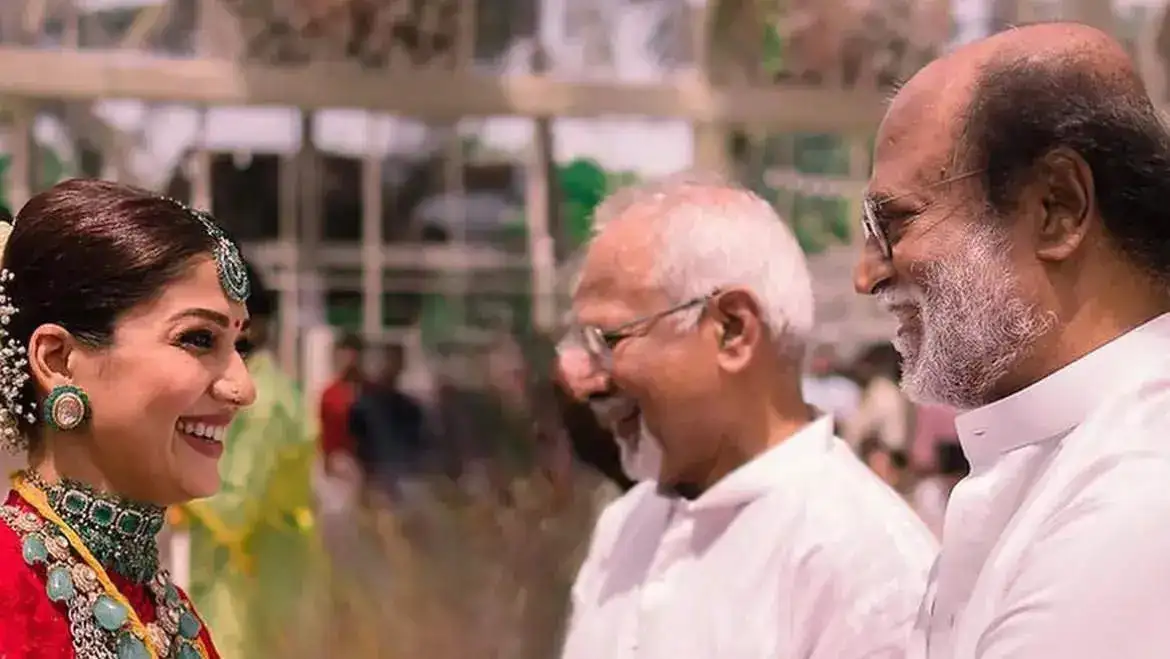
[{"x": 337, "y": 445}]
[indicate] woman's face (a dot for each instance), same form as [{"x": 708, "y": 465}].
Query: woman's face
[{"x": 162, "y": 395}]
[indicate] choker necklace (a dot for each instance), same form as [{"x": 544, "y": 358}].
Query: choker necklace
[{"x": 122, "y": 535}]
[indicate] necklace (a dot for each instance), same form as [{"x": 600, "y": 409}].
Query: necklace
[
  {"x": 103, "y": 623},
  {"x": 121, "y": 535}
]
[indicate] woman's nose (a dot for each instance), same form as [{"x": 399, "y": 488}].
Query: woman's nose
[{"x": 236, "y": 385}]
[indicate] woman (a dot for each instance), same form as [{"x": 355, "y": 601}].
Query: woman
[{"x": 119, "y": 317}]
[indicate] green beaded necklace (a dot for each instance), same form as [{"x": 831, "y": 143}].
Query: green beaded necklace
[{"x": 122, "y": 535}]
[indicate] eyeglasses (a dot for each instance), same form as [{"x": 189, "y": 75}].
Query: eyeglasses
[
  {"x": 876, "y": 230},
  {"x": 600, "y": 343}
]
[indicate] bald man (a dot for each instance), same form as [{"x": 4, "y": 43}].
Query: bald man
[{"x": 1017, "y": 227}]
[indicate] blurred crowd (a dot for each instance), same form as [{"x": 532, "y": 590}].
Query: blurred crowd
[
  {"x": 385, "y": 445},
  {"x": 914, "y": 448}
]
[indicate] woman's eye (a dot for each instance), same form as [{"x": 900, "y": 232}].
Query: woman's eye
[{"x": 198, "y": 339}]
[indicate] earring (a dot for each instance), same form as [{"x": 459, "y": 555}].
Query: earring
[{"x": 66, "y": 407}]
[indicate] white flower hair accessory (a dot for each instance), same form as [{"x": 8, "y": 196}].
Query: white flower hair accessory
[{"x": 14, "y": 373}]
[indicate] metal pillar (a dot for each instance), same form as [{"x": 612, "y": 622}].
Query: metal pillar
[
  {"x": 860, "y": 165},
  {"x": 453, "y": 184},
  {"x": 709, "y": 137},
  {"x": 373, "y": 203},
  {"x": 22, "y": 148},
  {"x": 288, "y": 264},
  {"x": 310, "y": 186},
  {"x": 541, "y": 250},
  {"x": 199, "y": 169}
]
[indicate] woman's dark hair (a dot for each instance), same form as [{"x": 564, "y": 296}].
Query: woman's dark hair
[{"x": 86, "y": 251}]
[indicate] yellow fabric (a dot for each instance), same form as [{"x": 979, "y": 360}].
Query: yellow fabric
[{"x": 253, "y": 545}]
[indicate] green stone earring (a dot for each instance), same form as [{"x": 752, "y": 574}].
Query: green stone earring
[{"x": 66, "y": 407}]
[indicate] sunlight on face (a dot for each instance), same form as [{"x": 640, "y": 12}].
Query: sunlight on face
[{"x": 164, "y": 393}]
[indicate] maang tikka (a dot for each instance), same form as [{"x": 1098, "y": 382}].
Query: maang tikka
[{"x": 233, "y": 275}]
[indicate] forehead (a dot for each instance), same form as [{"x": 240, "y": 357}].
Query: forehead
[
  {"x": 198, "y": 288},
  {"x": 616, "y": 275},
  {"x": 918, "y": 138}
]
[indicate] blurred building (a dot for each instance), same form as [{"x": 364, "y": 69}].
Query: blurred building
[{"x": 374, "y": 157}]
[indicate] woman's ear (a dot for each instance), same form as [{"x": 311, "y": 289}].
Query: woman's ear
[{"x": 51, "y": 351}]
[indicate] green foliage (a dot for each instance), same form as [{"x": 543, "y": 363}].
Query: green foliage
[
  {"x": 818, "y": 222},
  {"x": 773, "y": 58},
  {"x": 583, "y": 184},
  {"x": 52, "y": 170}
]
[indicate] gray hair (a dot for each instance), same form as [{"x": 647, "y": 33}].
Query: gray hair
[{"x": 712, "y": 234}]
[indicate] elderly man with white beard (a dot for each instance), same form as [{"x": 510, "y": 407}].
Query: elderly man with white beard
[
  {"x": 759, "y": 535},
  {"x": 1018, "y": 226}
]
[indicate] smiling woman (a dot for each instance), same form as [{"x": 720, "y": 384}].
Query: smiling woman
[{"x": 120, "y": 312}]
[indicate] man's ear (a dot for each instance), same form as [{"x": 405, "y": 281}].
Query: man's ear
[
  {"x": 52, "y": 351},
  {"x": 1063, "y": 193},
  {"x": 735, "y": 314}
]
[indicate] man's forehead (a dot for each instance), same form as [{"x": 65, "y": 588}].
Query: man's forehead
[
  {"x": 917, "y": 140},
  {"x": 616, "y": 270}
]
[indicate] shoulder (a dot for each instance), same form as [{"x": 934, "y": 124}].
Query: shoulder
[
  {"x": 843, "y": 519},
  {"x": 15, "y": 574},
  {"x": 851, "y": 558},
  {"x": 640, "y": 500},
  {"x": 1118, "y": 457}
]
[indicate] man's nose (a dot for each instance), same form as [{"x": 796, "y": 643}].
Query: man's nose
[
  {"x": 870, "y": 270},
  {"x": 578, "y": 371}
]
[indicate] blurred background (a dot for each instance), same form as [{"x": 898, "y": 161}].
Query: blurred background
[{"x": 411, "y": 181}]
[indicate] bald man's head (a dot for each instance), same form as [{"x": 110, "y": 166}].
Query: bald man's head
[
  {"x": 1049, "y": 87},
  {"x": 998, "y": 106},
  {"x": 1015, "y": 180}
]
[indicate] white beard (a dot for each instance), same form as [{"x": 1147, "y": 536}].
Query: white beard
[
  {"x": 975, "y": 324},
  {"x": 642, "y": 455}
]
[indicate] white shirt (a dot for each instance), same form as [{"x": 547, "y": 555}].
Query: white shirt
[
  {"x": 1058, "y": 543},
  {"x": 800, "y": 554}
]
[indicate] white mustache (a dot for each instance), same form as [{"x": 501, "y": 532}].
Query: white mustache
[{"x": 889, "y": 298}]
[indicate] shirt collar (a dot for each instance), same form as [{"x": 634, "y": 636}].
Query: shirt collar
[
  {"x": 762, "y": 474},
  {"x": 1061, "y": 401}
]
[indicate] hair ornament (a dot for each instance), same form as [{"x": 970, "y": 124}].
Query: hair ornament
[
  {"x": 14, "y": 373},
  {"x": 233, "y": 274}
]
